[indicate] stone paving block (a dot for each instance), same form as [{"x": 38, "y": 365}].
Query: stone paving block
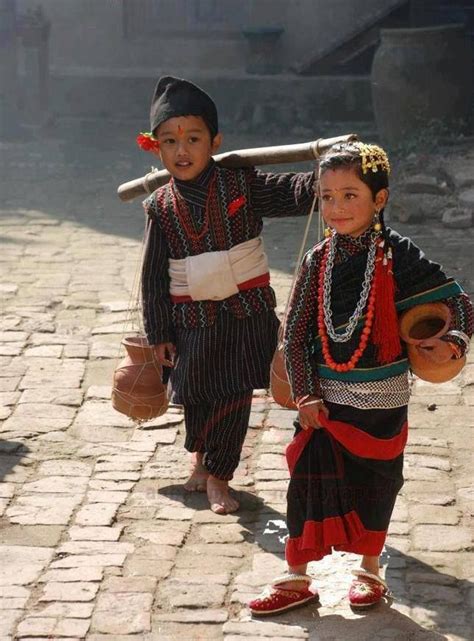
[
  {"x": 43, "y": 509},
  {"x": 89, "y": 560},
  {"x": 99, "y": 392},
  {"x": 77, "y": 591},
  {"x": 59, "y": 380},
  {"x": 47, "y": 626},
  {"x": 101, "y": 496},
  {"x": 441, "y": 538},
  {"x": 12, "y": 603},
  {"x": 442, "y": 515},
  {"x": 65, "y": 610},
  {"x": 96, "y": 547},
  {"x": 231, "y": 533},
  {"x": 9, "y": 398},
  {"x": 144, "y": 566},
  {"x": 172, "y": 513},
  {"x": 121, "y": 613},
  {"x": 217, "y": 549},
  {"x": 52, "y": 396},
  {"x": 31, "y": 535},
  {"x": 111, "y": 486},
  {"x": 96, "y": 514},
  {"x": 21, "y": 565},
  {"x": 46, "y": 351},
  {"x": 76, "y": 350},
  {"x": 101, "y": 413},
  {"x": 7, "y": 490},
  {"x": 99, "y": 433},
  {"x": 84, "y": 574},
  {"x": 265, "y": 629},
  {"x": 172, "y": 534},
  {"x": 57, "y": 485},
  {"x": 8, "y": 620},
  {"x": 159, "y": 437},
  {"x": 118, "y": 466},
  {"x": 183, "y": 594},
  {"x": 11, "y": 349},
  {"x": 9, "y": 384},
  {"x": 97, "y": 533},
  {"x": 194, "y": 616},
  {"x": 30, "y": 425},
  {"x": 130, "y": 584},
  {"x": 65, "y": 467}
]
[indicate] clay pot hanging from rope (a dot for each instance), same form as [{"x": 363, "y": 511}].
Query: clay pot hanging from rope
[
  {"x": 138, "y": 390},
  {"x": 422, "y": 322},
  {"x": 280, "y": 387}
]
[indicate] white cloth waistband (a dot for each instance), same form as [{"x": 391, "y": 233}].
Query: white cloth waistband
[{"x": 216, "y": 275}]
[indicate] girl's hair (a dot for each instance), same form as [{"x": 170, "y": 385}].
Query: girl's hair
[{"x": 361, "y": 158}]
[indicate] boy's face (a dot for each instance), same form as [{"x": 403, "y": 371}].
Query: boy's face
[
  {"x": 186, "y": 146},
  {"x": 346, "y": 203}
]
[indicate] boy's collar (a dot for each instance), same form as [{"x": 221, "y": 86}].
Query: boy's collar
[{"x": 200, "y": 181}]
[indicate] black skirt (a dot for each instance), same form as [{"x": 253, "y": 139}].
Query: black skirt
[
  {"x": 233, "y": 355},
  {"x": 338, "y": 499}
]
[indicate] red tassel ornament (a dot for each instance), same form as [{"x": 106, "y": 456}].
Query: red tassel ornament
[{"x": 385, "y": 335}]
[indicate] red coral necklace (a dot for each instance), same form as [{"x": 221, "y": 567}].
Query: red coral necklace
[
  {"x": 369, "y": 318},
  {"x": 187, "y": 221}
]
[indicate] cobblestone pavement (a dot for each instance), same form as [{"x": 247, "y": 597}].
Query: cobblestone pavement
[{"x": 98, "y": 541}]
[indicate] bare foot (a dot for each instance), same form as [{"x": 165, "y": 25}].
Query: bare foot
[
  {"x": 219, "y": 498},
  {"x": 197, "y": 482}
]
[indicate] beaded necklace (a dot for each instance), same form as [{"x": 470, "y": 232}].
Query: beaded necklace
[
  {"x": 325, "y": 325},
  {"x": 184, "y": 215}
]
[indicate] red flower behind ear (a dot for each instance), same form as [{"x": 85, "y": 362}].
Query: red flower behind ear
[
  {"x": 146, "y": 142},
  {"x": 235, "y": 205}
]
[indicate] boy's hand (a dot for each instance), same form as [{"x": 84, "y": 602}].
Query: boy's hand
[
  {"x": 309, "y": 414},
  {"x": 435, "y": 350},
  {"x": 164, "y": 354}
]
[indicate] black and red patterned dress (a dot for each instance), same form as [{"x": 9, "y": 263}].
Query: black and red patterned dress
[{"x": 345, "y": 477}]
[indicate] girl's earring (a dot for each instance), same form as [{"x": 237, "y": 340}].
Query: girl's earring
[
  {"x": 327, "y": 232},
  {"x": 377, "y": 224}
]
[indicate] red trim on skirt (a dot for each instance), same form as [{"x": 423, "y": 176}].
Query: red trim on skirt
[
  {"x": 259, "y": 281},
  {"x": 353, "y": 439},
  {"x": 345, "y": 533}
]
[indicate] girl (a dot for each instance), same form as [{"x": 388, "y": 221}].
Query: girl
[{"x": 349, "y": 376}]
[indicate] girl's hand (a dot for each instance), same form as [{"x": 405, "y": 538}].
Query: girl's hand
[
  {"x": 164, "y": 354},
  {"x": 309, "y": 413},
  {"x": 435, "y": 350}
]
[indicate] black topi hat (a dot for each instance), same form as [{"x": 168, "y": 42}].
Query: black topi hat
[{"x": 176, "y": 97}]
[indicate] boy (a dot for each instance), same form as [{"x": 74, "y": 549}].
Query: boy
[{"x": 207, "y": 303}]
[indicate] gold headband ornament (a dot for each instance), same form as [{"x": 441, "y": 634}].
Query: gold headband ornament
[{"x": 373, "y": 157}]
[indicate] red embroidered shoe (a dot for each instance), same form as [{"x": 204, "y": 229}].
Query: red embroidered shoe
[
  {"x": 366, "y": 590},
  {"x": 275, "y": 599}
]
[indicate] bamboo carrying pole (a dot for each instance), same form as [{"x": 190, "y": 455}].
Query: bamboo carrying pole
[{"x": 240, "y": 158}]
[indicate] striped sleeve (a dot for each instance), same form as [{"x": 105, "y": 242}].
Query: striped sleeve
[
  {"x": 280, "y": 195},
  {"x": 300, "y": 327},
  {"x": 156, "y": 304}
]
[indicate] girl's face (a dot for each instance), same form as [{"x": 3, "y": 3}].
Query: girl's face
[
  {"x": 346, "y": 203},
  {"x": 186, "y": 146}
]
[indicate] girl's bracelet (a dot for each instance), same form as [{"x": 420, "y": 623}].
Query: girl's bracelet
[{"x": 305, "y": 403}]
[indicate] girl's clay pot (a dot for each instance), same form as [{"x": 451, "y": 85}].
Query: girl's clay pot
[
  {"x": 279, "y": 384},
  {"x": 419, "y": 323},
  {"x": 138, "y": 390}
]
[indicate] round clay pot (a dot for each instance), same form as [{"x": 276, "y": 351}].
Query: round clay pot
[
  {"x": 137, "y": 389},
  {"x": 419, "y": 323},
  {"x": 421, "y": 77}
]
